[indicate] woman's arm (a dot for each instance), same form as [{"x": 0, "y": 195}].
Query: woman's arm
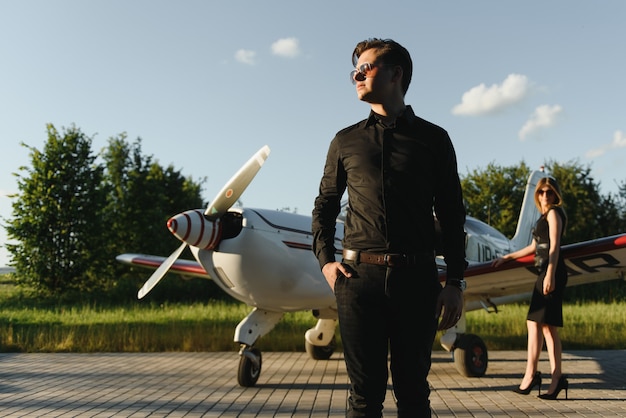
[{"x": 529, "y": 249}]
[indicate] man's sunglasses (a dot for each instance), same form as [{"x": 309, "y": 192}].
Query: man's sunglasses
[{"x": 363, "y": 71}]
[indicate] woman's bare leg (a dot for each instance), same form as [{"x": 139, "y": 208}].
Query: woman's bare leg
[
  {"x": 535, "y": 344},
  {"x": 555, "y": 350}
]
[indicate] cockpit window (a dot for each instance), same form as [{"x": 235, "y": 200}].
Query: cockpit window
[{"x": 483, "y": 229}]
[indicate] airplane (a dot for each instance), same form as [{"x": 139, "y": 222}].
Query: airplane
[{"x": 263, "y": 258}]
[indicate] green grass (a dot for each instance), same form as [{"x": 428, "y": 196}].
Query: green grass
[
  {"x": 141, "y": 328},
  {"x": 589, "y": 325},
  {"x": 31, "y": 325}
]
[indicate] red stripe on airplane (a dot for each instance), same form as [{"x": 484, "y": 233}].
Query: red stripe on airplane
[
  {"x": 201, "y": 234},
  {"x": 188, "y": 231}
]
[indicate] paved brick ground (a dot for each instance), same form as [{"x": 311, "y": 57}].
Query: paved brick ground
[{"x": 291, "y": 385}]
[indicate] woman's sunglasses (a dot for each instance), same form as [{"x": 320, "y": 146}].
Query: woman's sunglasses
[{"x": 548, "y": 192}]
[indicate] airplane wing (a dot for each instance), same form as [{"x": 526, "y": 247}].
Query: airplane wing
[
  {"x": 592, "y": 261},
  {"x": 183, "y": 267},
  {"x": 587, "y": 262}
]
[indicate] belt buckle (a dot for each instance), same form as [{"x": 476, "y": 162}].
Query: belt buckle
[{"x": 352, "y": 255}]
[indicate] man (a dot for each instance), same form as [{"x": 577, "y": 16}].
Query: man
[{"x": 397, "y": 169}]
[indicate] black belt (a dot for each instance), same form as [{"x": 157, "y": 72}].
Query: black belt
[{"x": 387, "y": 259}]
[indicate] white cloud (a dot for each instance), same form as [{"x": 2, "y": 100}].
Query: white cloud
[
  {"x": 286, "y": 47},
  {"x": 245, "y": 56},
  {"x": 481, "y": 99},
  {"x": 619, "y": 141},
  {"x": 544, "y": 116}
]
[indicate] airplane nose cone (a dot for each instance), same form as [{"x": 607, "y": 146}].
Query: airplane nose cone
[
  {"x": 194, "y": 229},
  {"x": 172, "y": 225}
]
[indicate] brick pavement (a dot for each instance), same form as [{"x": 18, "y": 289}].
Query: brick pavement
[{"x": 291, "y": 385}]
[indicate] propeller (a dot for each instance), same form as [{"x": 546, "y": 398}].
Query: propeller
[
  {"x": 160, "y": 272},
  {"x": 236, "y": 185},
  {"x": 220, "y": 205}
]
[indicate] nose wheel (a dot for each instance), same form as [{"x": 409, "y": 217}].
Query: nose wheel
[
  {"x": 470, "y": 356},
  {"x": 249, "y": 366}
]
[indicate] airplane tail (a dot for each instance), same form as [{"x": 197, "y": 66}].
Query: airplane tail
[{"x": 528, "y": 214}]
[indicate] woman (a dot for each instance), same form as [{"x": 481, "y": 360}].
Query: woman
[{"x": 545, "y": 314}]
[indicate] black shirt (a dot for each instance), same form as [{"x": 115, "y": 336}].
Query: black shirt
[{"x": 395, "y": 176}]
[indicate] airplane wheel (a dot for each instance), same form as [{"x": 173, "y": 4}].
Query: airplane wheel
[
  {"x": 249, "y": 372},
  {"x": 317, "y": 352},
  {"x": 470, "y": 356}
]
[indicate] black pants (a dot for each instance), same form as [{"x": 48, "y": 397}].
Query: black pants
[{"x": 384, "y": 311}]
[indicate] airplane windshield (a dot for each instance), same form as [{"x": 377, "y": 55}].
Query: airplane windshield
[{"x": 481, "y": 228}]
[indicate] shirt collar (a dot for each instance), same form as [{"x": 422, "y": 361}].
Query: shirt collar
[{"x": 408, "y": 116}]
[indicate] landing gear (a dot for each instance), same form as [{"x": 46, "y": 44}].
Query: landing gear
[
  {"x": 258, "y": 323},
  {"x": 317, "y": 352},
  {"x": 470, "y": 356},
  {"x": 249, "y": 366}
]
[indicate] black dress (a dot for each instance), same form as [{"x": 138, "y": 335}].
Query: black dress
[{"x": 547, "y": 309}]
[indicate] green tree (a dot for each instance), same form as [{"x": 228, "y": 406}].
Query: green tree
[
  {"x": 73, "y": 216},
  {"x": 495, "y": 195},
  {"x": 143, "y": 196},
  {"x": 57, "y": 216}
]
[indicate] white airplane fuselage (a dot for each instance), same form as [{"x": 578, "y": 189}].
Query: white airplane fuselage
[{"x": 268, "y": 264}]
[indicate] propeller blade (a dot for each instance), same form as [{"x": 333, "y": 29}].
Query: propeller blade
[
  {"x": 160, "y": 272},
  {"x": 236, "y": 185}
]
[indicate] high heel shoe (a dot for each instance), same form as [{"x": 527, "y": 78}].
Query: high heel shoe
[
  {"x": 535, "y": 382},
  {"x": 562, "y": 384}
]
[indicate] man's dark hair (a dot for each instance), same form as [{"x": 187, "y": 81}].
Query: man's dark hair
[{"x": 389, "y": 52}]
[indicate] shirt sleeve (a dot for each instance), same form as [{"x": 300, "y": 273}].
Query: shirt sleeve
[
  {"x": 450, "y": 212},
  {"x": 327, "y": 206}
]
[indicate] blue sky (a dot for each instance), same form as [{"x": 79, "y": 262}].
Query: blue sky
[{"x": 205, "y": 84}]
